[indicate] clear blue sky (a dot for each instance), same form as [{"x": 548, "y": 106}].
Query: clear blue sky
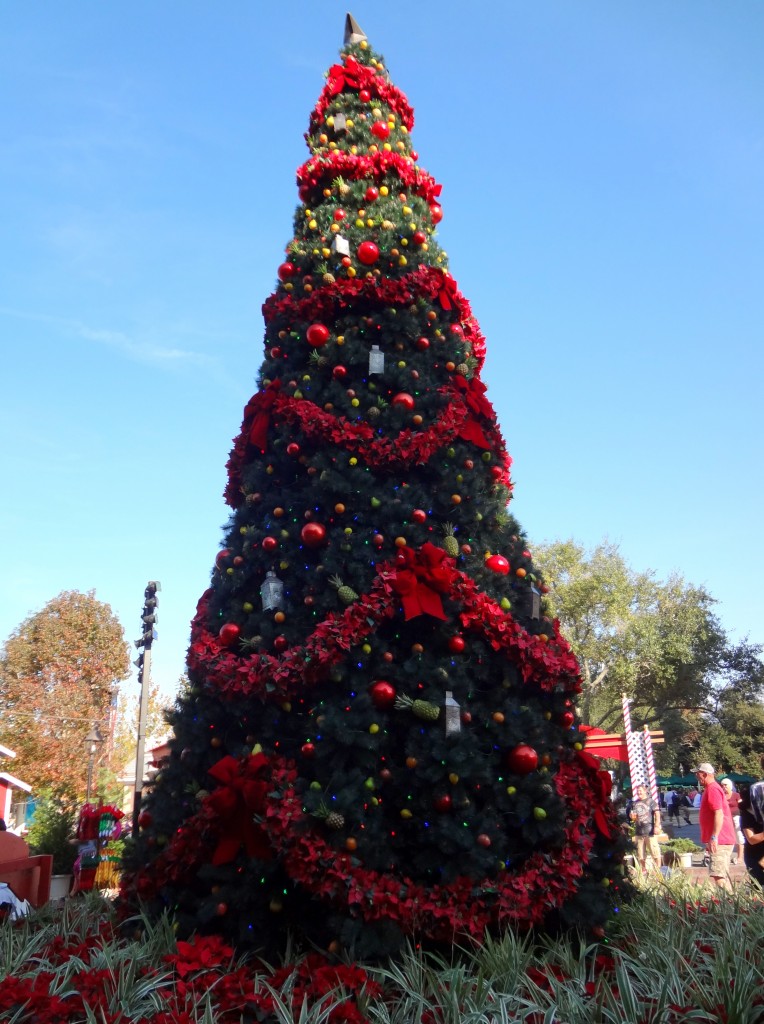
[{"x": 603, "y": 188}]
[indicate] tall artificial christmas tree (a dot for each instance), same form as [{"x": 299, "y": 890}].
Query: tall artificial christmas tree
[{"x": 379, "y": 739}]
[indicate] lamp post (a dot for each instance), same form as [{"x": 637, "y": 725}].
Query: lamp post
[
  {"x": 149, "y": 620},
  {"x": 93, "y": 740}
]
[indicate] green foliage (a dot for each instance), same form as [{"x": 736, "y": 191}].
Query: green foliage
[
  {"x": 680, "y": 845},
  {"x": 52, "y": 829},
  {"x": 662, "y": 644}
]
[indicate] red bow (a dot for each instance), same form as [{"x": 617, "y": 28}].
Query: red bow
[
  {"x": 341, "y": 75},
  {"x": 474, "y": 395},
  {"x": 239, "y": 796},
  {"x": 259, "y": 408},
  {"x": 447, "y": 291},
  {"x": 420, "y": 581},
  {"x": 475, "y": 400}
]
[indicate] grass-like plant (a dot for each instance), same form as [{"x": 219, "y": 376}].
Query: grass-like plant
[{"x": 678, "y": 953}]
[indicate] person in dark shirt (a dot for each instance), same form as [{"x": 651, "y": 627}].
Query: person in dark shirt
[{"x": 753, "y": 833}]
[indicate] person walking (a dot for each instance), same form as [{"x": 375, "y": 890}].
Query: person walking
[
  {"x": 717, "y": 832},
  {"x": 733, "y": 799},
  {"x": 670, "y": 805}
]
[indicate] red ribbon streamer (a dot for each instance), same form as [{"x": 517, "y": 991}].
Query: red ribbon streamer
[
  {"x": 474, "y": 396},
  {"x": 447, "y": 292},
  {"x": 239, "y": 796},
  {"x": 259, "y": 408},
  {"x": 421, "y": 580}
]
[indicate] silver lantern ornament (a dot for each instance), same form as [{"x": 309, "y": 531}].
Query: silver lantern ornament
[
  {"x": 340, "y": 246},
  {"x": 453, "y": 715},
  {"x": 376, "y": 360},
  {"x": 272, "y": 592},
  {"x": 534, "y": 602}
]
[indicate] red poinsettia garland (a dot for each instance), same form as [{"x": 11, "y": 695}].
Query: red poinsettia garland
[
  {"x": 548, "y": 664},
  {"x": 465, "y": 907}
]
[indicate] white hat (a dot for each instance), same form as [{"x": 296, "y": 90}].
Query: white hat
[{"x": 705, "y": 767}]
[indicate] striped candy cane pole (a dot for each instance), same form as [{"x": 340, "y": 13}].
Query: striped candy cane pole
[
  {"x": 632, "y": 741},
  {"x": 652, "y": 781}
]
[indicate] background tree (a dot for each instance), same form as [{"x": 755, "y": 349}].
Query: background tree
[
  {"x": 659, "y": 642},
  {"x": 58, "y": 672},
  {"x": 378, "y": 739}
]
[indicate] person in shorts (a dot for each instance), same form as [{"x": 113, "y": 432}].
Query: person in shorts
[
  {"x": 646, "y": 817},
  {"x": 717, "y": 832}
]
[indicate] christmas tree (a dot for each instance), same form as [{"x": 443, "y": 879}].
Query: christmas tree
[{"x": 379, "y": 740}]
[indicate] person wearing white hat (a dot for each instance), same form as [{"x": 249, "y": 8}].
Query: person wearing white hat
[{"x": 716, "y": 829}]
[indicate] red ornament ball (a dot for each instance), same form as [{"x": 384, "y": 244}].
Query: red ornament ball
[
  {"x": 221, "y": 556},
  {"x": 285, "y": 271},
  {"x": 313, "y": 535},
  {"x": 380, "y": 130},
  {"x": 522, "y": 759},
  {"x": 145, "y": 818},
  {"x": 436, "y": 212},
  {"x": 368, "y": 253},
  {"x": 423, "y": 344},
  {"x": 364, "y": 95},
  {"x": 403, "y": 400},
  {"x": 308, "y": 749},
  {"x": 419, "y": 238},
  {"x": 280, "y": 644},
  {"x": 443, "y": 803},
  {"x": 339, "y": 372},
  {"x": 567, "y": 718},
  {"x": 293, "y": 449},
  {"x": 339, "y": 214},
  {"x": 371, "y": 194},
  {"x": 498, "y": 564},
  {"x": 419, "y": 515},
  {"x": 496, "y": 473},
  {"x": 382, "y": 694},
  {"x": 456, "y": 644},
  {"x": 484, "y": 840},
  {"x": 229, "y": 633},
  {"x": 317, "y": 335},
  {"x": 270, "y": 544}
]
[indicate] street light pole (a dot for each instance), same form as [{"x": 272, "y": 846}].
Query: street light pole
[
  {"x": 93, "y": 739},
  {"x": 149, "y": 619}
]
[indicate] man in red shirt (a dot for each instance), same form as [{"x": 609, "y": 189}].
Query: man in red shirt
[{"x": 716, "y": 828}]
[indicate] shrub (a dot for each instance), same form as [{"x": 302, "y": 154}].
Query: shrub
[{"x": 52, "y": 830}]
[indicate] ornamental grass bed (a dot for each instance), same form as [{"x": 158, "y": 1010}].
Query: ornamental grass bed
[{"x": 678, "y": 953}]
